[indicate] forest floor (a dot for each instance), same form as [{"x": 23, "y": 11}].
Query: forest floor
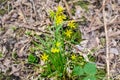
[{"x": 21, "y": 20}]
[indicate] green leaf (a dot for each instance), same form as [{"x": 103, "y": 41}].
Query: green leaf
[
  {"x": 90, "y": 69},
  {"x": 58, "y": 29},
  {"x": 89, "y": 78},
  {"x": 33, "y": 59},
  {"x": 78, "y": 71},
  {"x": 28, "y": 32},
  {"x": 1, "y": 55}
]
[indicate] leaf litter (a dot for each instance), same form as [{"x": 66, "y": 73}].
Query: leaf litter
[{"x": 23, "y": 15}]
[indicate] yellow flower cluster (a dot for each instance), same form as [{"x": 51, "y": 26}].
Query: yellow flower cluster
[
  {"x": 60, "y": 9},
  {"x": 44, "y": 57},
  {"x": 71, "y": 26},
  {"x": 55, "y": 50},
  {"x": 59, "y": 18}
]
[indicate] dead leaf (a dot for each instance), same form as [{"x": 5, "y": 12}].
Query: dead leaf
[{"x": 21, "y": 15}]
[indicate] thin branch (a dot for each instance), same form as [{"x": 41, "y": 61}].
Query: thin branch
[
  {"x": 70, "y": 2},
  {"x": 99, "y": 26},
  {"x": 106, "y": 36},
  {"x": 114, "y": 34}
]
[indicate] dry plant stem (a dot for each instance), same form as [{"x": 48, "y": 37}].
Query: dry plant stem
[
  {"x": 30, "y": 27},
  {"x": 68, "y": 9},
  {"x": 8, "y": 3},
  {"x": 106, "y": 36},
  {"x": 99, "y": 26},
  {"x": 114, "y": 34},
  {"x": 21, "y": 8},
  {"x": 73, "y": 1},
  {"x": 34, "y": 8}
]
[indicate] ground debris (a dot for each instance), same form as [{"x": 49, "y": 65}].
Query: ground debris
[{"x": 21, "y": 20}]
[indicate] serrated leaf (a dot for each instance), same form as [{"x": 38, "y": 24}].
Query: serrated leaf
[
  {"x": 78, "y": 71},
  {"x": 89, "y": 78},
  {"x": 90, "y": 69}
]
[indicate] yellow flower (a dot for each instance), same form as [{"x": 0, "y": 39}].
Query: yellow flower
[
  {"x": 44, "y": 57},
  {"x": 60, "y": 9},
  {"x": 60, "y": 15},
  {"x": 73, "y": 57},
  {"x": 68, "y": 33},
  {"x": 55, "y": 50},
  {"x": 52, "y": 13},
  {"x": 63, "y": 16},
  {"x": 71, "y": 24},
  {"x": 58, "y": 44},
  {"x": 59, "y": 20}
]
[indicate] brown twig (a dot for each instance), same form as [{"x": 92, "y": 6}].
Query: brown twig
[
  {"x": 73, "y": 1},
  {"x": 99, "y": 26},
  {"x": 114, "y": 34},
  {"x": 75, "y": 20},
  {"x": 34, "y": 8},
  {"x": 30, "y": 27},
  {"x": 68, "y": 9},
  {"x": 23, "y": 13},
  {"x": 106, "y": 36}
]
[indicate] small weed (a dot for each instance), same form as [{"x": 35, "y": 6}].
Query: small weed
[
  {"x": 13, "y": 28},
  {"x": 1, "y": 55},
  {"x": 28, "y": 32},
  {"x": 2, "y": 11},
  {"x": 14, "y": 55},
  {"x": 33, "y": 58},
  {"x": 56, "y": 51}
]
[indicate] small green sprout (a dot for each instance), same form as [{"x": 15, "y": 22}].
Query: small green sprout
[
  {"x": 13, "y": 28},
  {"x": 33, "y": 59},
  {"x": 14, "y": 55},
  {"x": 1, "y": 55},
  {"x": 28, "y": 32}
]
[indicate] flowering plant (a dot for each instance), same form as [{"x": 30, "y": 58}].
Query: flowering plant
[{"x": 56, "y": 49}]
